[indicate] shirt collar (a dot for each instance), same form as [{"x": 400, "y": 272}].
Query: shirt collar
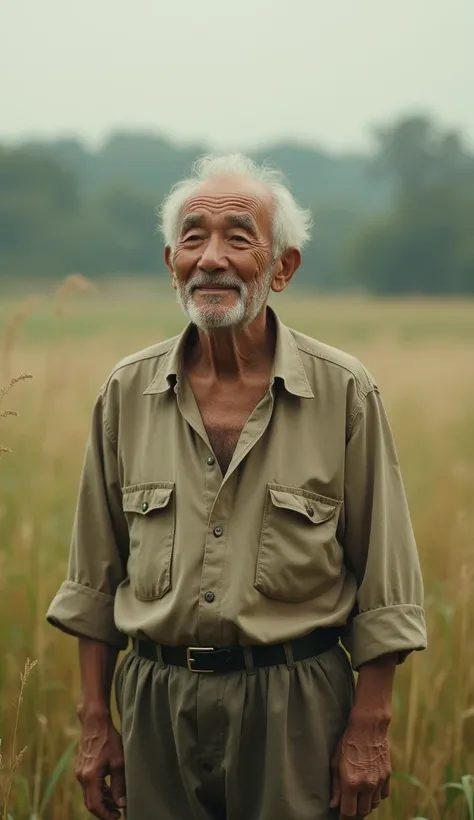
[
  {"x": 287, "y": 365},
  {"x": 170, "y": 365}
]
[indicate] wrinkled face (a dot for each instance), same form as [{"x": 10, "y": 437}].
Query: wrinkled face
[{"x": 222, "y": 263}]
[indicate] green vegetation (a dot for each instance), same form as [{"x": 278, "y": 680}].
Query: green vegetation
[{"x": 397, "y": 222}]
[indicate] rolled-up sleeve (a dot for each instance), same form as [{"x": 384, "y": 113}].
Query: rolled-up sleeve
[
  {"x": 379, "y": 543},
  {"x": 84, "y": 604}
]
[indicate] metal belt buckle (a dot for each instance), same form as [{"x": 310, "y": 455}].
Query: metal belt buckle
[{"x": 190, "y": 660}]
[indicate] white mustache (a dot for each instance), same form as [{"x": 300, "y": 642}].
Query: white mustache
[{"x": 202, "y": 280}]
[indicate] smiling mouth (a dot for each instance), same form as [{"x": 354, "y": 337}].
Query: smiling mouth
[{"x": 214, "y": 289}]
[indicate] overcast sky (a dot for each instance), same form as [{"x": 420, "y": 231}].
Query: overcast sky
[{"x": 234, "y": 74}]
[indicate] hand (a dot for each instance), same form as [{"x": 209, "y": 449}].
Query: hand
[
  {"x": 361, "y": 769},
  {"x": 101, "y": 756}
]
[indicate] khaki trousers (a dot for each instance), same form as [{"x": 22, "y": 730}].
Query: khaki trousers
[{"x": 254, "y": 745}]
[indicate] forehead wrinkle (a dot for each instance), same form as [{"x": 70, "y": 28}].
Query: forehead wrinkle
[
  {"x": 233, "y": 203},
  {"x": 221, "y": 202},
  {"x": 230, "y": 195}
]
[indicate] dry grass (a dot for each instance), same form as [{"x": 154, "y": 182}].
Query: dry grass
[
  {"x": 9, "y": 768},
  {"x": 422, "y": 355}
]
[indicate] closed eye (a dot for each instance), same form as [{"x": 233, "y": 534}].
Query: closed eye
[{"x": 238, "y": 238}]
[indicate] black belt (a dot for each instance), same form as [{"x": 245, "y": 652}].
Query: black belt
[{"x": 233, "y": 658}]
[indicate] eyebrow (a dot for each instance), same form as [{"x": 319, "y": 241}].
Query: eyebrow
[
  {"x": 243, "y": 221},
  {"x": 191, "y": 221}
]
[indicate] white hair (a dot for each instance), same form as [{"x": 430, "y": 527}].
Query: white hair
[{"x": 291, "y": 222}]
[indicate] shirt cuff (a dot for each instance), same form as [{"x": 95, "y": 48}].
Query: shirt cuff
[
  {"x": 389, "y": 630},
  {"x": 85, "y": 612}
]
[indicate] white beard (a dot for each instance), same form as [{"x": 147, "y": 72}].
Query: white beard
[{"x": 212, "y": 316}]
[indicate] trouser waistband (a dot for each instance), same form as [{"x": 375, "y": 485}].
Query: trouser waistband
[{"x": 221, "y": 660}]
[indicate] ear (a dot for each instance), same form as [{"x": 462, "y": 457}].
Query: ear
[
  {"x": 285, "y": 267},
  {"x": 169, "y": 263}
]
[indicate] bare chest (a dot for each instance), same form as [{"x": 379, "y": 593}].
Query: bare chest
[{"x": 224, "y": 415}]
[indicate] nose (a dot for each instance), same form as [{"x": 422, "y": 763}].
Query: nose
[{"x": 213, "y": 259}]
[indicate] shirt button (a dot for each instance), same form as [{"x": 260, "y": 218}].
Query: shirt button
[
  {"x": 211, "y": 461},
  {"x": 209, "y": 597},
  {"x": 144, "y": 506},
  {"x": 218, "y": 531},
  {"x": 310, "y": 511}
]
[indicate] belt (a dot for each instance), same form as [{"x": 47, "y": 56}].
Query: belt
[{"x": 219, "y": 660}]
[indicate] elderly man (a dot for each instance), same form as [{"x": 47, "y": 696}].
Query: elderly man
[{"x": 240, "y": 515}]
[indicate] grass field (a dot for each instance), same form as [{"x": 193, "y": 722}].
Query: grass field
[{"x": 422, "y": 355}]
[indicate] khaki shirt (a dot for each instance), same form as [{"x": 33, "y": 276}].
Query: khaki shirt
[{"x": 308, "y": 528}]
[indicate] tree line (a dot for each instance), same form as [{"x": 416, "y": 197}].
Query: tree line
[{"x": 399, "y": 221}]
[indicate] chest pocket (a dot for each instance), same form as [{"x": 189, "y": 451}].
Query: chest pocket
[
  {"x": 150, "y": 513},
  {"x": 298, "y": 556}
]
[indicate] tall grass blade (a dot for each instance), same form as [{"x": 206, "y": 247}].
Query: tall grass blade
[{"x": 60, "y": 767}]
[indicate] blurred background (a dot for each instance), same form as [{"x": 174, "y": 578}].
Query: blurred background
[{"x": 367, "y": 107}]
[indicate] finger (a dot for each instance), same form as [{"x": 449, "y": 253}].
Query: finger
[
  {"x": 335, "y": 785},
  {"x": 110, "y": 804},
  {"x": 336, "y": 794},
  {"x": 364, "y": 803},
  {"x": 377, "y": 797},
  {"x": 386, "y": 788},
  {"x": 117, "y": 785},
  {"x": 98, "y": 800},
  {"x": 92, "y": 791},
  {"x": 349, "y": 803}
]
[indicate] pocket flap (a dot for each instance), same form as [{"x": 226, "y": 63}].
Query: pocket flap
[
  {"x": 315, "y": 509},
  {"x": 144, "y": 498}
]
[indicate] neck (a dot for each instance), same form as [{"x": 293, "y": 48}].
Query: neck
[{"x": 231, "y": 354}]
